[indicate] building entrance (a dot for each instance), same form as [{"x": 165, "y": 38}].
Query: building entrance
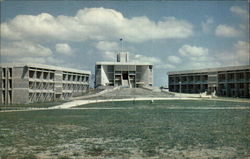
[{"x": 125, "y": 75}]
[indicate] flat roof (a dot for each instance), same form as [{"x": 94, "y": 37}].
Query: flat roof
[
  {"x": 122, "y": 63},
  {"x": 217, "y": 69},
  {"x": 42, "y": 66}
]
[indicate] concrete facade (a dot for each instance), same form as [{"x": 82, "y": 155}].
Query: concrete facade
[
  {"x": 123, "y": 73},
  {"x": 231, "y": 81},
  {"x": 29, "y": 83}
]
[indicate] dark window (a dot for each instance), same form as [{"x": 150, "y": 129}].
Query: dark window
[
  {"x": 110, "y": 68},
  {"x": 4, "y": 73}
]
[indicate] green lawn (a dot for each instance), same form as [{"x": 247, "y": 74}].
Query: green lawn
[
  {"x": 31, "y": 105},
  {"x": 143, "y": 131}
]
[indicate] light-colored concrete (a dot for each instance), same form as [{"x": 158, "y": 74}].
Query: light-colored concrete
[{"x": 29, "y": 83}]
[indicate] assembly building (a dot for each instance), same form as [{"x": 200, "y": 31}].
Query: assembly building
[
  {"x": 231, "y": 81},
  {"x": 29, "y": 83},
  {"x": 123, "y": 73}
]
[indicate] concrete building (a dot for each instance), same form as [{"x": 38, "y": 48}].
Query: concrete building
[
  {"x": 28, "y": 83},
  {"x": 225, "y": 81},
  {"x": 123, "y": 73}
]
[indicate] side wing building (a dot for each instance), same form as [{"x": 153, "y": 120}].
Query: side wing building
[
  {"x": 29, "y": 83},
  {"x": 233, "y": 81}
]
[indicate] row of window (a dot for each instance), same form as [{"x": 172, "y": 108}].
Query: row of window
[
  {"x": 6, "y": 84},
  {"x": 41, "y": 97},
  {"x": 74, "y": 87},
  {"x": 6, "y": 72},
  {"x": 6, "y": 96},
  {"x": 41, "y": 75},
  {"x": 232, "y": 85},
  {"x": 77, "y": 78},
  {"x": 112, "y": 68}
]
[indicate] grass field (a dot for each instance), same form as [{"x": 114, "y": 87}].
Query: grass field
[
  {"x": 31, "y": 105},
  {"x": 145, "y": 130}
]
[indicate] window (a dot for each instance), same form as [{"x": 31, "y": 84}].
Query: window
[
  {"x": 110, "y": 68},
  {"x": 38, "y": 75},
  {"x": 51, "y": 76},
  {"x": 10, "y": 83},
  {"x": 31, "y": 74},
  {"x": 10, "y": 72},
  {"x": 4, "y": 72}
]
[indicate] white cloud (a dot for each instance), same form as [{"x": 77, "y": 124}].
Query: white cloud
[
  {"x": 174, "y": 59},
  {"x": 188, "y": 50},
  {"x": 40, "y": 60},
  {"x": 142, "y": 58},
  {"x": 165, "y": 66},
  {"x": 207, "y": 25},
  {"x": 109, "y": 55},
  {"x": 239, "y": 11},
  {"x": 242, "y": 53},
  {"x": 226, "y": 31},
  {"x": 64, "y": 48},
  {"x": 107, "y": 46},
  {"x": 24, "y": 48},
  {"x": 94, "y": 24},
  {"x": 238, "y": 55},
  {"x": 197, "y": 57}
]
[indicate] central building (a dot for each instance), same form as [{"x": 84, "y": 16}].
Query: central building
[{"x": 123, "y": 73}]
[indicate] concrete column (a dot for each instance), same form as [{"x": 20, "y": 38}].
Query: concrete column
[
  {"x": 236, "y": 85},
  {"x": 226, "y": 84}
]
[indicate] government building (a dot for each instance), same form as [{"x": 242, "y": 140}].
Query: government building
[
  {"x": 29, "y": 83},
  {"x": 123, "y": 73},
  {"x": 231, "y": 81}
]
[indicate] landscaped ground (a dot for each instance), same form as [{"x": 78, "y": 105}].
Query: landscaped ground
[{"x": 141, "y": 129}]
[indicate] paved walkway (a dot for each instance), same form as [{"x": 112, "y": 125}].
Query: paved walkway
[{"x": 83, "y": 102}]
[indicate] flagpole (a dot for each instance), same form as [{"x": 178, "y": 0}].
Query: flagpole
[{"x": 121, "y": 44}]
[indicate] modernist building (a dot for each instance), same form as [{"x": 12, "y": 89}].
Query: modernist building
[
  {"x": 123, "y": 73},
  {"x": 28, "y": 83},
  {"x": 225, "y": 81}
]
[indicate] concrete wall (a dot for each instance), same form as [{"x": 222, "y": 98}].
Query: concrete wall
[
  {"x": 137, "y": 75},
  {"x": 20, "y": 87},
  {"x": 30, "y": 84},
  {"x": 228, "y": 83}
]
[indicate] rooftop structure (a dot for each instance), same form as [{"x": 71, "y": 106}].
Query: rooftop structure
[
  {"x": 29, "y": 83},
  {"x": 230, "y": 81},
  {"x": 123, "y": 73}
]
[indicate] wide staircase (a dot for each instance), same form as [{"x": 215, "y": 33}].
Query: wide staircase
[{"x": 133, "y": 93}]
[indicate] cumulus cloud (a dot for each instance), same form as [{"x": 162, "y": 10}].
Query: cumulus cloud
[
  {"x": 25, "y": 51},
  {"x": 107, "y": 46},
  {"x": 142, "y": 58},
  {"x": 239, "y": 54},
  {"x": 64, "y": 48},
  {"x": 24, "y": 48},
  {"x": 239, "y": 11},
  {"x": 226, "y": 31},
  {"x": 174, "y": 59},
  {"x": 242, "y": 53},
  {"x": 187, "y": 50},
  {"x": 207, "y": 24},
  {"x": 196, "y": 57},
  {"x": 40, "y": 60},
  {"x": 94, "y": 24}
]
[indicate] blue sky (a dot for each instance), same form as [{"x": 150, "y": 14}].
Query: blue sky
[{"x": 171, "y": 35}]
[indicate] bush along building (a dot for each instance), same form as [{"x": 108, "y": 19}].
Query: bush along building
[
  {"x": 123, "y": 73},
  {"x": 29, "y": 83},
  {"x": 224, "y": 81}
]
